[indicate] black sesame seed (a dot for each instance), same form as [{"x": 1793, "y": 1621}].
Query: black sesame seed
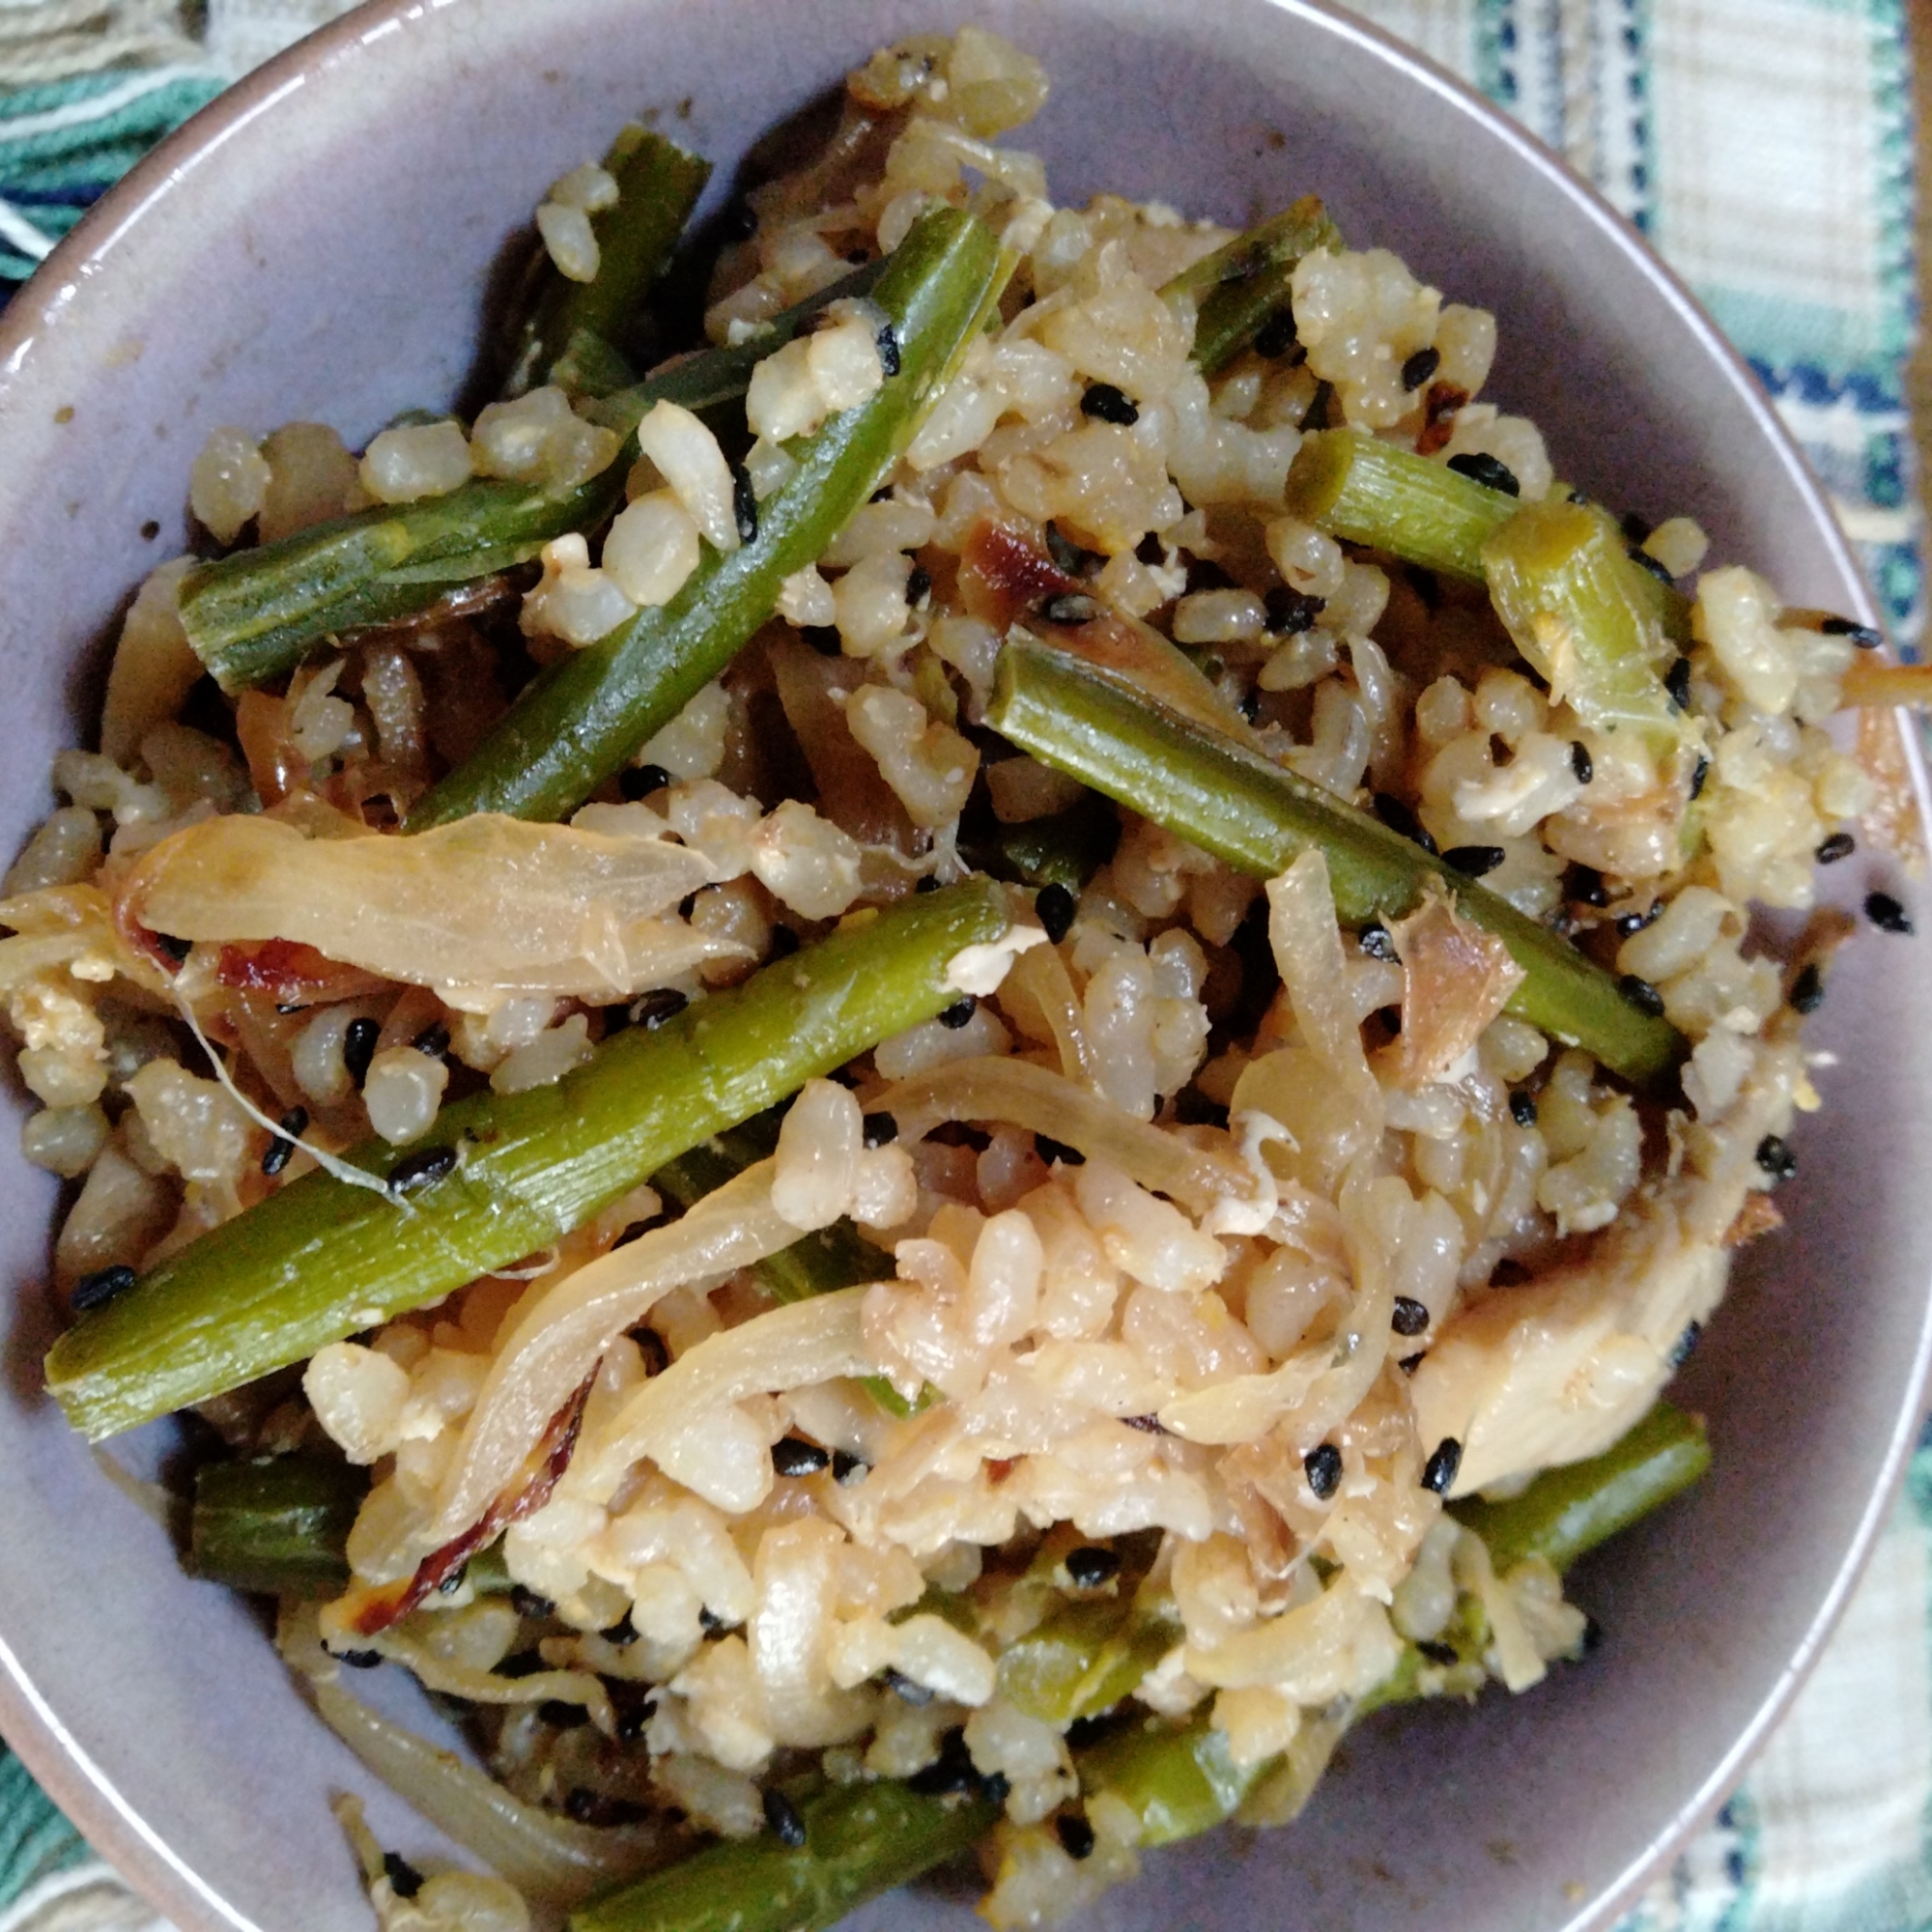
[
  {"x": 848, "y": 1468},
  {"x": 1474, "y": 861},
  {"x": 1410, "y": 1317},
  {"x": 879, "y": 1129},
  {"x": 1636, "y": 921},
  {"x": 1066, "y": 554},
  {"x": 1586, "y": 887},
  {"x": 1681, "y": 1349},
  {"x": 1054, "y": 906},
  {"x": 794, "y": 1455},
  {"x": 1443, "y": 1653},
  {"x": 1677, "y": 682},
  {"x": 888, "y": 339},
  {"x": 744, "y": 504},
  {"x": 1290, "y": 612},
  {"x": 1420, "y": 366},
  {"x": 709, "y": 1621},
  {"x": 98, "y": 1288},
  {"x": 177, "y": 950},
  {"x": 1886, "y": 914},
  {"x": 1073, "y": 606},
  {"x": 1643, "y": 995},
  {"x": 1277, "y": 336},
  {"x": 1438, "y": 1473},
  {"x": 621, "y": 1635},
  {"x": 654, "y": 1008},
  {"x": 560, "y": 1715},
  {"x": 1051, "y": 1151},
  {"x": 1090, "y": 1566},
  {"x": 358, "y": 1660},
  {"x": 1699, "y": 773},
  {"x": 1523, "y": 1108},
  {"x": 1075, "y": 1834},
  {"x": 927, "y": 884},
  {"x": 1861, "y": 635},
  {"x": 1108, "y": 404},
  {"x": 1377, "y": 941},
  {"x": 959, "y": 1012},
  {"x": 281, "y": 1150},
  {"x": 995, "y": 1787},
  {"x": 1839, "y": 845},
  {"x": 1580, "y": 761},
  {"x": 1486, "y": 470},
  {"x": 1657, "y": 567},
  {"x": 1250, "y": 707},
  {"x": 951, "y": 1772},
  {"x": 405, "y": 1881},
  {"x": 1323, "y": 1466},
  {"x": 907, "y": 1690},
  {"x": 919, "y": 583},
  {"x": 1774, "y": 1155},
  {"x": 782, "y": 1815},
  {"x": 422, "y": 1169},
  {"x": 358, "y": 1048},
  {"x": 785, "y": 943},
  {"x": 528, "y": 1604},
  {"x": 640, "y": 781},
  {"x": 1401, "y": 820},
  {"x": 586, "y": 1807},
  {"x": 1807, "y": 991}
]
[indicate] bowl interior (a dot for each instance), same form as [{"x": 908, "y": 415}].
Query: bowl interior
[{"x": 317, "y": 246}]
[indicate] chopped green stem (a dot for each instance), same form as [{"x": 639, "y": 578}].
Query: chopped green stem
[
  {"x": 1409, "y": 506},
  {"x": 1180, "y": 1781},
  {"x": 1259, "y": 816},
  {"x": 256, "y": 614},
  {"x": 580, "y": 720},
  {"x": 320, "y": 1258},
  {"x": 658, "y": 185},
  {"x": 861, "y": 1840},
  {"x": 1589, "y": 619},
  {"x": 1246, "y": 281},
  {"x": 1066, "y": 849},
  {"x": 279, "y": 1526},
  {"x": 1566, "y": 1513}
]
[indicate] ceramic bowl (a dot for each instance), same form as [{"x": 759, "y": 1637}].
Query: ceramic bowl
[{"x": 317, "y": 244}]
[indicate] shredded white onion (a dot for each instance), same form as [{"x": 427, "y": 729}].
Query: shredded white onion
[
  {"x": 558, "y": 1340},
  {"x": 1044, "y": 1102},
  {"x": 544, "y": 1856},
  {"x": 790, "y": 1347}
]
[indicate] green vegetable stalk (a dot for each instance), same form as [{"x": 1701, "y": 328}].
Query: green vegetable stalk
[
  {"x": 1246, "y": 281},
  {"x": 1369, "y": 491},
  {"x": 658, "y": 185},
  {"x": 320, "y": 1260},
  {"x": 1257, "y": 816},
  {"x": 1588, "y": 619},
  {"x": 860, "y": 1840},
  {"x": 258, "y": 614},
  {"x": 580, "y": 720},
  {"x": 279, "y": 1525}
]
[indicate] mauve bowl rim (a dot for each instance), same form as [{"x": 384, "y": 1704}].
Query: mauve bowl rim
[{"x": 31, "y": 1725}]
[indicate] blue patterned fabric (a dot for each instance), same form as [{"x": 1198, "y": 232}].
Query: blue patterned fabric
[{"x": 1766, "y": 149}]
